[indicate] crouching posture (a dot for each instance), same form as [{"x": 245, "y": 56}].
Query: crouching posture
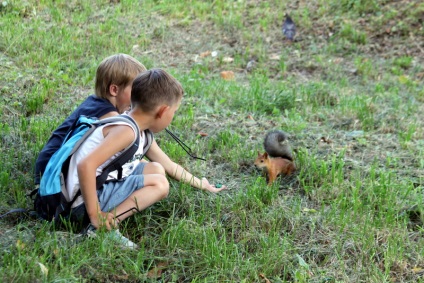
[{"x": 155, "y": 97}]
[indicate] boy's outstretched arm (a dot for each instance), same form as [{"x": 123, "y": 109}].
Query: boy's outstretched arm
[{"x": 177, "y": 172}]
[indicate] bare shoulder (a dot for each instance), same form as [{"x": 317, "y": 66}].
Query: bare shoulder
[{"x": 119, "y": 133}]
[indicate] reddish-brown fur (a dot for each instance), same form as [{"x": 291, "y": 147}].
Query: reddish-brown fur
[{"x": 274, "y": 166}]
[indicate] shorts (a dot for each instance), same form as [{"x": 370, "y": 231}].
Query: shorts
[{"x": 113, "y": 193}]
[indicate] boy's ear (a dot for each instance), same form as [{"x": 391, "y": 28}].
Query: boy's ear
[
  {"x": 113, "y": 90},
  {"x": 162, "y": 109}
]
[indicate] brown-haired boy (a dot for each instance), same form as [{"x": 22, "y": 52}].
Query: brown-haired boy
[{"x": 155, "y": 98}]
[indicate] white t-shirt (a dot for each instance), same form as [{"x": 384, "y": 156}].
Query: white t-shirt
[{"x": 72, "y": 181}]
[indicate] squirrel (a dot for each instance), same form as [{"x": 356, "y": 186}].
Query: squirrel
[{"x": 278, "y": 158}]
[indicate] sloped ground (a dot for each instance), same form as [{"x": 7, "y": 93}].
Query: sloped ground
[{"x": 367, "y": 49}]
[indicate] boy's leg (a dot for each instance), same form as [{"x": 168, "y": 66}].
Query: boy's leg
[
  {"x": 152, "y": 168},
  {"x": 156, "y": 188},
  {"x": 137, "y": 190}
]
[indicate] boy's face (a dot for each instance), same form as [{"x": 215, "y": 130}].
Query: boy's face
[
  {"x": 166, "y": 118},
  {"x": 123, "y": 98}
]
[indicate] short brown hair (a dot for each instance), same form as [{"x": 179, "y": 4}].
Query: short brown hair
[
  {"x": 153, "y": 88},
  {"x": 119, "y": 69}
]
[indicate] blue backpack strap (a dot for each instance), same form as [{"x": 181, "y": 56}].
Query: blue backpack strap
[{"x": 80, "y": 130}]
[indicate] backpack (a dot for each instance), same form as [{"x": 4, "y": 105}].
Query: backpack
[{"x": 51, "y": 201}]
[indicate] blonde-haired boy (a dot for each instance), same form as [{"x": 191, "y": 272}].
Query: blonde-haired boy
[{"x": 114, "y": 77}]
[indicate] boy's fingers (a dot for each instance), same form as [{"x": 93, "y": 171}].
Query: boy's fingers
[
  {"x": 107, "y": 225},
  {"x": 216, "y": 190},
  {"x": 113, "y": 222},
  {"x": 213, "y": 187}
]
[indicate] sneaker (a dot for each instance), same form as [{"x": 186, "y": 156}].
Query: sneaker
[
  {"x": 90, "y": 231},
  {"x": 113, "y": 235},
  {"x": 125, "y": 242}
]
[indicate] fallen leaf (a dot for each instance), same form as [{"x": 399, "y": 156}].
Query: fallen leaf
[
  {"x": 202, "y": 134},
  {"x": 20, "y": 245},
  {"x": 121, "y": 277},
  {"x": 227, "y": 75},
  {"x": 227, "y": 59},
  {"x": 418, "y": 270},
  {"x": 250, "y": 117},
  {"x": 338, "y": 60},
  {"x": 43, "y": 268},
  {"x": 275, "y": 57},
  {"x": 156, "y": 272},
  {"x": 264, "y": 278},
  {"x": 205, "y": 54}
]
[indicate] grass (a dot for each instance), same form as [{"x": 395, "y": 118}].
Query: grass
[{"x": 349, "y": 92}]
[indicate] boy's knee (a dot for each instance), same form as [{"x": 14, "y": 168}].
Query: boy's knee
[
  {"x": 154, "y": 168},
  {"x": 162, "y": 185},
  {"x": 158, "y": 168}
]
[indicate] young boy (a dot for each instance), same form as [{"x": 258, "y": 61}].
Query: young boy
[
  {"x": 155, "y": 97},
  {"x": 114, "y": 77}
]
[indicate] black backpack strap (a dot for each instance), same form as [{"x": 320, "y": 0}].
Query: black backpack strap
[
  {"x": 116, "y": 164},
  {"x": 64, "y": 207},
  {"x": 15, "y": 210},
  {"x": 119, "y": 161}
]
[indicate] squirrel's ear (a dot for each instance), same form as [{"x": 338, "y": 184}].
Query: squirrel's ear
[
  {"x": 265, "y": 155},
  {"x": 259, "y": 153}
]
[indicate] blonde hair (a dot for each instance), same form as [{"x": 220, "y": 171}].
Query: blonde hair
[
  {"x": 153, "y": 88},
  {"x": 119, "y": 69}
]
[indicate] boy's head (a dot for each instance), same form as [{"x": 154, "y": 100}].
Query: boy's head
[
  {"x": 157, "y": 93},
  {"x": 119, "y": 70}
]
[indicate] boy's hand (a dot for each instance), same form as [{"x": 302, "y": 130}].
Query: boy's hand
[
  {"x": 105, "y": 219},
  {"x": 211, "y": 188}
]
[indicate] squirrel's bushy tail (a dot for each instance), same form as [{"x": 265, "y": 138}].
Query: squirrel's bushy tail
[{"x": 276, "y": 144}]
